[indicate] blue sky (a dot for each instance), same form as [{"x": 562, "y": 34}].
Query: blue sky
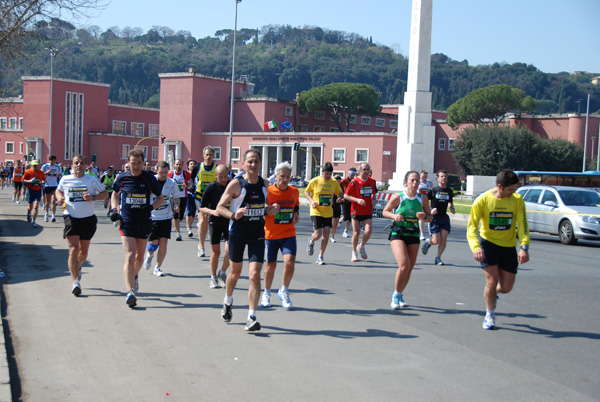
[{"x": 553, "y": 35}]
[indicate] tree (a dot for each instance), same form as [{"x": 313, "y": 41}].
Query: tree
[
  {"x": 341, "y": 100},
  {"x": 488, "y": 104}
]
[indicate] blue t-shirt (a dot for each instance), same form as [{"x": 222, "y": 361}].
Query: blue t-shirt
[{"x": 134, "y": 195}]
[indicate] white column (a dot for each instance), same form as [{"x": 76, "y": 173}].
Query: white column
[
  {"x": 38, "y": 150},
  {"x": 294, "y": 162},
  {"x": 309, "y": 163},
  {"x": 279, "y": 154},
  {"x": 265, "y": 162}
]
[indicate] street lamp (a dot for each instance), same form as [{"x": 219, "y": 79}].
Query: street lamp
[
  {"x": 232, "y": 85},
  {"x": 53, "y": 52},
  {"x": 587, "y": 115},
  {"x": 578, "y": 106}
]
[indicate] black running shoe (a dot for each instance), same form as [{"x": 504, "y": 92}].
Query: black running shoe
[
  {"x": 226, "y": 313},
  {"x": 252, "y": 324},
  {"x": 131, "y": 299}
]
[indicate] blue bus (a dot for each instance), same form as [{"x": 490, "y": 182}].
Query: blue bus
[{"x": 589, "y": 179}]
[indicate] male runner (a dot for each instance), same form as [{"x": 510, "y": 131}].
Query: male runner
[
  {"x": 440, "y": 197},
  {"x": 346, "y": 205},
  {"x": 161, "y": 218},
  {"x": 33, "y": 178},
  {"x": 246, "y": 197},
  {"x": 219, "y": 226},
  {"x": 182, "y": 178},
  {"x": 131, "y": 205},
  {"x": 502, "y": 214},
  {"x": 53, "y": 173},
  {"x": 18, "y": 181},
  {"x": 203, "y": 174},
  {"x": 321, "y": 193},
  {"x": 108, "y": 179},
  {"x": 361, "y": 193},
  {"x": 280, "y": 234},
  {"x": 424, "y": 187},
  {"x": 78, "y": 192},
  {"x": 191, "y": 196}
]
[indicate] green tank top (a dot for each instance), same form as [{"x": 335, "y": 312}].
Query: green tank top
[
  {"x": 408, "y": 207},
  {"x": 108, "y": 182}
]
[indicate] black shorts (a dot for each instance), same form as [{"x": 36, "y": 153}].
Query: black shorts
[
  {"x": 218, "y": 231},
  {"x": 160, "y": 230},
  {"x": 256, "y": 249},
  {"x": 319, "y": 222},
  {"x": 182, "y": 206},
  {"x": 49, "y": 190},
  {"x": 337, "y": 209},
  {"x": 504, "y": 257},
  {"x": 18, "y": 185},
  {"x": 82, "y": 227},
  {"x": 361, "y": 218},
  {"x": 347, "y": 208},
  {"x": 408, "y": 240},
  {"x": 137, "y": 230}
]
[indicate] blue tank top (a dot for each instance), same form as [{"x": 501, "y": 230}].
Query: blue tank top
[{"x": 253, "y": 197}]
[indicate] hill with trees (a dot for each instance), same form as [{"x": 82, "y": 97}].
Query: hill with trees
[{"x": 281, "y": 61}]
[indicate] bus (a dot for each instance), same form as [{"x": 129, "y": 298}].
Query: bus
[{"x": 589, "y": 179}]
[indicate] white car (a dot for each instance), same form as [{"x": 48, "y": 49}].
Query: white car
[{"x": 570, "y": 212}]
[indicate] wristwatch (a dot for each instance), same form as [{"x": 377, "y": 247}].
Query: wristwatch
[{"x": 525, "y": 247}]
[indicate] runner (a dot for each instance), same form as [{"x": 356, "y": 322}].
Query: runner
[
  {"x": 191, "y": 196},
  {"x": 203, "y": 174},
  {"x": 337, "y": 214},
  {"x": 280, "y": 234},
  {"x": 18, "y": 181},
  {"x": 3, "y": 176},
  {"x": 361, "y": 193},
  {"x": 246, "y": 197},
  {"x": 108, "y": 179},
  {"x": 346, "y": 205},
  {"x": 78, "y": 192},
  {"x": 321, "y": 193},
  {"x": 424, "y": 187},
  {"x": 131, "y": 205},
  {"x": 33, "y": 178},
  {"x": 219, "y": 226},
  {"x": 53, "y": 173},
  {"x": 440, "y": 197},
  {"x": 161, "y": 218},
  {"x": 182, "y": 178},
  {"x": 502, "y": 214},
  {"x": 406, "y": 209}
]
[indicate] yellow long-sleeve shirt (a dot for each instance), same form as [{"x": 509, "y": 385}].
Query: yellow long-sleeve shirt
[{"x": 501, "y": 219}]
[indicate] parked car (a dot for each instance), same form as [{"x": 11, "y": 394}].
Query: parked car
[{"x": 570, "y": 212}]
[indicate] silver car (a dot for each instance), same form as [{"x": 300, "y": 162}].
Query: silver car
[{"x": 569, "y": 212}]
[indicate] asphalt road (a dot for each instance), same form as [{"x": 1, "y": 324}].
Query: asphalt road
[{"x": 340, "y": 342}]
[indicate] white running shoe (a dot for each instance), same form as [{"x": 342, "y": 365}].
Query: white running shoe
[
  {"x": 320, "y": 260},
  {"x": 222, "y": 278},
  {"x": 147, "y": 261},
  {"x": 214, "y": 283},
  {"x": 345, "y": 234},
  {"x": 190, "y": 233},
  {"x": 284, "y": 296},
  {"x": 332, "y": 240},
  {"x": 489, "y": 322},
  {"x": 45, "y": 217},
  {"x": 354, "y": 257},
  {"x": 265, "y": 299},
  {"x": 362, "y": 251},
  {"x": 158, "y": 271},
  {"x": 76, "y": 288},
  {"x": 178, "y": 238},
  {"x": 201, "y": 252}
]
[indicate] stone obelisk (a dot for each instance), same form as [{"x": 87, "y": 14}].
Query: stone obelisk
[{"x": 416, "y": 136}]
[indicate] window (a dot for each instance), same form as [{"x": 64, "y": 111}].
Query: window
[
  {"x": 21, "y": 123},
  {"x": 380, "y": 122},
  {"x": 334, "y": 130},
  {"x": 303, "y": 127},
  {"x": 74, "y": 103},
  {"x": 137, "y": 129},
  {"x": 21, "y": 148},
  {"x": 319, "y": 129},
  {"x": 217, "y": 155},
  {"x": 154, "y": 153},
  {"x": 13, "y": 123},
  {"x": 153, "y": 130},
  {"x": 235, "y": 153},
  {"x": 393, "y": 123},
  {"x": 3, "y": 122},
  {"x": 144, "y": 149},
  {"x": 304, "y": 113},
  {"x": 362, "y": 155},
  {"x": 365, "y": 120},
  {"x": 451, "y": 144},
  {"x": 319, "y": 115},
  {"x": 9, "y": 147},
  {"x": 118, "y": 127},
  {"x": 549, "y": 196},
  {"x": 339, "y": 155},
  {"x": 353, "y": 119},
  {"x": 126, "y": 148},
  {"x": 338, "y": 173},
  {"x": 533, "y": 195},
  {"x": 289, "y": 111},
  {"x": 441, "y": 144}
]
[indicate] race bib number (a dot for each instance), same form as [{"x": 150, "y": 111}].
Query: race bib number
[
  {"x": 366, "y": 191},
  {"x": 500, "y": 220},
  {"x": 254, "y": 212},
  {"x": 18, "y": 174},
  {"x": 165, "y": 204},
  {"x": 76, "y": 194},
  {"x": 180, "y": 187},
  {"x": 324, "y": 200},
  {"x": 284, "y": 216},
  {"x": 442, "y": 196},
  {"x": 135, "y": 200},
  {"x": 203, "y": 186}
]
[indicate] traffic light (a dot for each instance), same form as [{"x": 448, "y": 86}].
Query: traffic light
[
  {"x": 162, "y": 140},
  {"x": 296, "y": 146},
  {"x": 93, "y": 157}
]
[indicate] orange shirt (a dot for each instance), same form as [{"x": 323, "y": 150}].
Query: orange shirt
[
  {"x": 281, "y": 225},
  {"x": 18, "y": 175},
  {"x": 30, "y": 174}
]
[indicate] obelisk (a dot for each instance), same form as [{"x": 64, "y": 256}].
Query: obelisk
[{"x": 416, "y": 136}]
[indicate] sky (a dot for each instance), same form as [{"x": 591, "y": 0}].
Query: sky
[{"x": 553, "y": 35}]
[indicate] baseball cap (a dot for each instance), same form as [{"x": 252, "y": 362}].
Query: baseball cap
[{"x": 35, "y": 162}]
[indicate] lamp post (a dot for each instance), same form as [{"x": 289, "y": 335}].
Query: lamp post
[
  {"x": 593, "y": 140},
  {"x": 587, "y": 115},
  {"x": 53, "y": 52},
  {"x": 232, "y": 85}
]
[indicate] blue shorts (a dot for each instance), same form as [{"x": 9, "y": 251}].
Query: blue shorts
[
  {"x": 34, "y": 195},
  {"x": 438, "y": 223},
  {"x": 191, "y": 205},
  {"x": 256, "y": 249},
  {"x": 287, "y": 246}
]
